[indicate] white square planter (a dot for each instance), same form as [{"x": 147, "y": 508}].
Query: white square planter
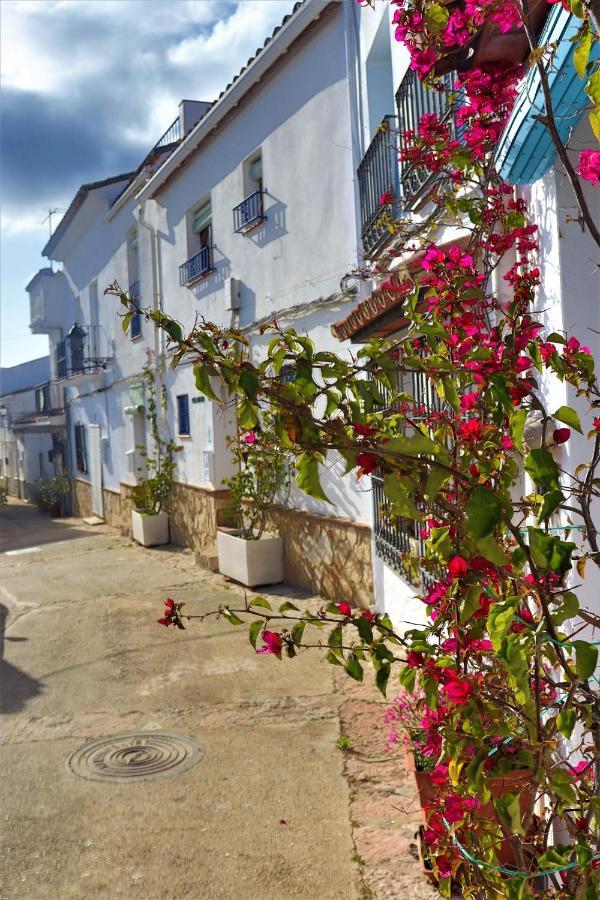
[
  {"x": 148, "y": 530},
  {"x": 250, "y": 562}
]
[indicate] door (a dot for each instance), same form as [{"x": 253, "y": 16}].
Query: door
[{"x": 96, "y": 470}]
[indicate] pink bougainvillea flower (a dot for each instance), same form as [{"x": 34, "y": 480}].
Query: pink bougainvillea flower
[
  {"x": 597, "y": 423},
  {"x": 457, "y": 567},
  {"x": 589, "y": 166},
  {"x": 439, "y": 775},
  {"x": 249, "y": 438},
  {"x": 561, "y": 435},
  {"x": 367, "y": 614},
  {"x": 468, "y": 401},
  {"x": 345, "y": 608},
  {"x": 363, "y": 430},
  {"x": 367, "y": 463},
  {"x": 414, "y": 659},
  {"x": 165, "y": 620},
  {"x": 507, "y": 442},
  {"x": 458, "y": 690},
  {"x": 272, "y": 643},
  {"x": 385, "y": 198}
]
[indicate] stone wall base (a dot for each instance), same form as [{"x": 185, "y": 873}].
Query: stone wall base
[{"x": 329, "y": 556}]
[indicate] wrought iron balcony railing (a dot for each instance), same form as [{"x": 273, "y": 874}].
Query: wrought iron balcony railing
[
  {"x": 413, "y": 101},
  {"x": 379, "y": 180},
  {"x": 135, "y": 328},
  {"x": 83, "y": 351},
  {"x": 249, "y": 212},
  {"x": 171, "y": 136},
  {"x": 196, "y": 267}
]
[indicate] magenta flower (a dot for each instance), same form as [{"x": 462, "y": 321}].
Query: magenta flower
[
  {"x": 561, "y": 435},
  {"x": 589, "y": 166},
  {"x": 272, "y": 643}
]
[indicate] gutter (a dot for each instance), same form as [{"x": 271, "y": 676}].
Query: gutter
[{"x": 310, "y": 12}]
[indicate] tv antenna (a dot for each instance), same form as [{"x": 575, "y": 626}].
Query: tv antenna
[{"x": 51, "y": 211}]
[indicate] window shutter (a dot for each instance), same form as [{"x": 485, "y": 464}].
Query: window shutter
[
  {"x": 133, "y": 239},
  {"x": 202, "y": 218},
  {"x": 256, "y": 169}
]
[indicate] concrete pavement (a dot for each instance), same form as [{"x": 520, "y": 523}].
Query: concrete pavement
[{"x": 84, "y": 658}]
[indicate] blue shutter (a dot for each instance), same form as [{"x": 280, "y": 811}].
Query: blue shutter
[{"x": 183, "y": 414}]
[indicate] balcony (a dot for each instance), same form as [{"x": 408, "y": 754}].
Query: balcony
[
  {"x": 379, "y": 177},
  {"x": 413, "y": 101},
  {"x": 249, "y": 213},
  {"x": 197, "y": 267},
  {"x": 84, "y": 351}
]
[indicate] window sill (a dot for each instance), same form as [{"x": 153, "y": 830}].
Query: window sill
[
  {"x": 185, "y": 437},
  {"x": 136, "y": 337}
]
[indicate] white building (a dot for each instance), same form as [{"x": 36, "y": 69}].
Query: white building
[{"x": 262, "y": 204}]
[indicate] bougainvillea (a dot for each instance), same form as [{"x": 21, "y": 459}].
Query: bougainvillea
[{"x": 505, "y": 701}]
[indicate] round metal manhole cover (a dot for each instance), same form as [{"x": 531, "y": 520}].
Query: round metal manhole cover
[{"x": 139, "y": 756}]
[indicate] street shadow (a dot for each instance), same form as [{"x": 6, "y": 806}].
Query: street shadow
[
  {"x": 16, "y": 687},
  {"x": 22, "y": 527}
]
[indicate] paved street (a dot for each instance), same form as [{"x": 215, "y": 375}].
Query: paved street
[{"x": 264, "y": 814}]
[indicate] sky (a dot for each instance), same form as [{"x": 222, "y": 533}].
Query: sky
[{"x": 88, "y": 87}]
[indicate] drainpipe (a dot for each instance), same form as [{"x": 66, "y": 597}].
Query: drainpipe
[{"x": 156, "y": 300}]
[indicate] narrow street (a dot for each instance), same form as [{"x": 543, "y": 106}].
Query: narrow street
[{"x": 264, "y": 813}]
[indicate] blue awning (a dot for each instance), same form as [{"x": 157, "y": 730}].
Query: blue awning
[{"x": 526, "y": 152}]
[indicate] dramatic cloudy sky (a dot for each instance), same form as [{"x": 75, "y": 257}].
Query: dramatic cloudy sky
[{"x": 88, "y": 87}]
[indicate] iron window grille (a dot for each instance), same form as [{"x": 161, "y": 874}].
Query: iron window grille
[
  {"x": 397, "y": 538},
  {"x": 61, "y": 359},
  {"x": 183, "y": 414},
  {"x": 414, "y": 100},
  {"x": 81, "y": 461},
  {"x": 249, "y": 212},
  {"x": 379, "y": 178}
]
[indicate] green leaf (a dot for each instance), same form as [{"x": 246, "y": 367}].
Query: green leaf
[
  {"x": 126, "y": 321},
  {"x": 254, "y": 631},
  {"x": 436, "y": 17},
  {"x": 408, "y": 678},
  {"x": 484, "y": 512},
  {"x": 335, "y": 637},
  {"x": 354, "y": 668},
  {"x": 248, "y": 382},
  {"x": 552, "y": 500},
  {"x": 174, "y": 330},
  {"x": 397, "y": 488},
  {"x": 365, "y": 630},
  {"x": 307, "y": 476},
  {"x": 297, "y": 632},
  {"x": 569, "y": 417},
  {"x": 542, "y": 468},
  {"x": 582, "y": 53},
  {"x": 500, "y": 618},
  {"x": 333, "y": 659},
  {"x": 566, "y": 721},
  {"x": 450, "y": 393},
  {"x": 231, "y": 617},
  {"x": 489, "y": 548},
  {"x": 411, "y": 445},
  {"x": 382, "y": 677},
  {"x": 260, "y": 601},
  {"x": 517, "y": 427},
  {"x": 285, "y": 607},
  {"x": 202, "y": 379},
  {"x": 586, "y": 659},
  {"x": 508, "y": 807},
  {"x": 568, "y": 610},
  {"x": 435, "y": 480},
  {"x": 561, "y": 784},
  {"x": 247, "y": 414}
]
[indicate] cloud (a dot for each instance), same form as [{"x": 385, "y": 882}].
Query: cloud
[{"x": 89, "y": 86}]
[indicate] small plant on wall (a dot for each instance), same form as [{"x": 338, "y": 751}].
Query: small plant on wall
[{"x": 151, "y": 495}]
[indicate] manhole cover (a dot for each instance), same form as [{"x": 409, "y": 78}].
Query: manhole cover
[{"x": 139, "y": 756}]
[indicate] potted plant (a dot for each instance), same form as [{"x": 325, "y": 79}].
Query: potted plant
[
  {"x": 51, "y": 493},
  {"x": 246, "y": 552},
  {"x": 149, "y": 516}
]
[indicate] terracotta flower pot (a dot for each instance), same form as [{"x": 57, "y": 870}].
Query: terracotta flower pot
[{"x": 55, "y": 511}]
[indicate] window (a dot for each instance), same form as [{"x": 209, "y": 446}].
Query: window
[
  {"x": 183, "y": 414},
  {"x": 200, "y": 244},
  {"x": 61, "y": 359},
  {"x": 81, "y": 462},
  {"x": 42, "y": 398},
  {"x": 134, "y": 282},
  {"x": 250, "y": 212}
]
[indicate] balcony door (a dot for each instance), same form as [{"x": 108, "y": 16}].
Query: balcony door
[{"x": 95, "y": 464}]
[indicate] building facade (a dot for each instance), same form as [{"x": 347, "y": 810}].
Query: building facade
[{"x": 260, "y": 205}]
